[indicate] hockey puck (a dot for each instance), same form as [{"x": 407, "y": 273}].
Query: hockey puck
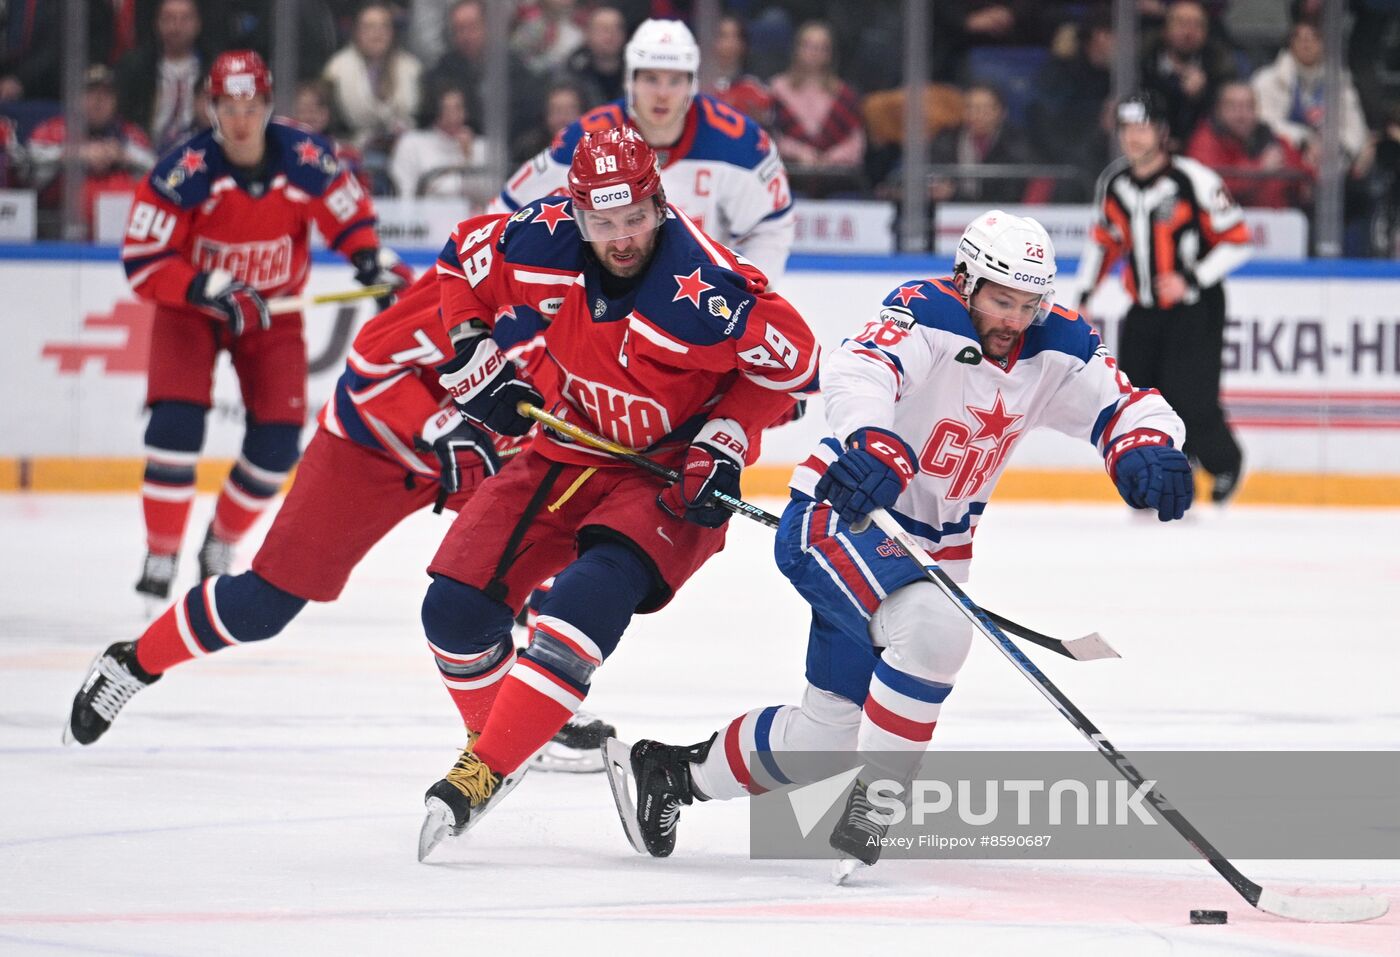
[{"x": 1209, "y": 917}]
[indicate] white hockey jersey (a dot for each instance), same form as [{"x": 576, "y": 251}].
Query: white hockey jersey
[
  {"x": 724, "y": 173},
  {"x": 917, "y": 370}
]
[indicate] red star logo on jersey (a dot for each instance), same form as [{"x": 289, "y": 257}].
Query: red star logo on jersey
[
  {"x": 192, "y": 161},
  {"x": 907, "y": 293},
  {"x": 552, "y": 214},
  {"x": 308, "y": 153},
  {"x": 690, "y": 287},
  {"x": 994, "y": 421}
]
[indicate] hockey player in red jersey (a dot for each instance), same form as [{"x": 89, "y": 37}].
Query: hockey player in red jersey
[
  {"x": 389, "y": 443},
  {"x": 661, "y": 341},
  {"x": 222, "y": 224}
]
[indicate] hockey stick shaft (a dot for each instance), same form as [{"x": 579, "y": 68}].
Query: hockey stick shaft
[
  {"x": 285, "y": 304},
  {"x": 982, "y": 621},
  {"x": 740, "y": 507}
]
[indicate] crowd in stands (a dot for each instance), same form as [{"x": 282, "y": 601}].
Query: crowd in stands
[{"x": 1019, "y": 85}]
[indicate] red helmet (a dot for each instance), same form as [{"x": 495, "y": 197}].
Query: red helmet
[
  {"x": 614, "y": 167},
  {"x": 241, "y": 74}
]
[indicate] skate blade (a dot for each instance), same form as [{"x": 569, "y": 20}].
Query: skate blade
[
  {"x": 617, "y": 762},
  {"x": 558, "y": 759},
  {"x": 436, "y": 826},
  {"x": 842, "y": 870}
]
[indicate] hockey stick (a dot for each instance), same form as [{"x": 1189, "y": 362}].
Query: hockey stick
[
  {"x": 1088, "y": 648},
  {"x": 1335, "y": 910},
  {"x": 285, "y": 304}
]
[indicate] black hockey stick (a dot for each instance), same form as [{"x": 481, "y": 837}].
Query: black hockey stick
[
  {"x": 1088, "y": 648},
  {"x": 1333, "y": 910}
]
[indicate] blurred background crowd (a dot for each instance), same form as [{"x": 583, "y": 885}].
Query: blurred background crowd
[{"x": 1015, "y": 103}]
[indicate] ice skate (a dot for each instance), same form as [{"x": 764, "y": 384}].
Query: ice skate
[
  {"x": 457, "y": 802},
  {"x": 157, "y": 575},
  {"x": 660, "y": 776},
  {"x": 1224, "y": 486},
  {"x": 110, "y": 683},
  {"x": 577, "y": 748},
  {"x": 859, "y": 832},
  {"x": 215, "y": 556}
]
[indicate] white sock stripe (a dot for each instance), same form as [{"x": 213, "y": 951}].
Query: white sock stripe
[
  {"x": 182, "y": 625},
  {"x": 242, "y": 499},
  {"x": 915, "y": 710},
  {"x": 480, "y": 681},
  {"x": 573, "y": 636},
  {"x": 530, "y": 675},
  {"x": 459, "y": 659},
  {"x": 213, "y": 610},
  {"x": 266, "y": 476},
  {"x": 171, "y": 458},
  {"x": 167, "y": 493}
]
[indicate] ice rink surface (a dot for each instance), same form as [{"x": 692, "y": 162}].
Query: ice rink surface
[{"x": 266, "y": 800}]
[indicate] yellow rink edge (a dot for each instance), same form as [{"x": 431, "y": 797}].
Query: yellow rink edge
[{"x": 66, "y": 474}]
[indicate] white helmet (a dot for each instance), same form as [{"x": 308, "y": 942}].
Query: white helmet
[
  {"x": 1010, "y": 250},
  {"x": 662, "y": 45}
]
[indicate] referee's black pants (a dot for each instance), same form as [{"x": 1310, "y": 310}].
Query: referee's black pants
[{"x": 1177, "y": 351}]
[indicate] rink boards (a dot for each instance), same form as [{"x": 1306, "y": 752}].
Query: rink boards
[{"x": 1312, "y": 379}]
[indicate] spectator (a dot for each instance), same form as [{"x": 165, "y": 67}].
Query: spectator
[
  {"x": 1235, "y": 141},
  {"x": 376, "y": 84},
  {"x": 563, "y": 105},
  {"x": 596, "y": 67},
  {"x": 249, "y": 24},
  {"x": 1385, "y": 228},
  {"x": 546, "y": 33},
  {"x": 422, "y": 158},
  {"x": 958, "y": 27},
  {"x": 157, "y": 82},
  {"x": 11, "y": 155},
  {"x": 984, "y": 137},
  {"x": 1071, "y": 118},
  {"x": 1292, "y": 97},
  {"x": 1185, "y": 65},
  {"x": 312, "y": 109},
  {"x": 464, "y": 62},
  {"x": 817, "y": 116},
  {"x": 114, "y": 155},
  {"x": 741, "y": 90},
  {"x": 30, "y": 50}
]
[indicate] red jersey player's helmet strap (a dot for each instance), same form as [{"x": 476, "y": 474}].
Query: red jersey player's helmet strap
[
  {"x": 240, "y": 74},
  {"x": 613, "y": 168}
]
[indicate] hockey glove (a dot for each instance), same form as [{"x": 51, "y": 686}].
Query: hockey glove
[
  {"x": 1150, "y": 473},
  {"x": 712, "y": 464},
  {"x": 459, "y": 446},
  {"x": 482, "y": 381},
  {"x": 374, "y": 267},
  {"x": 224, "y": 297},
  {"x": 875, "y": 468}
]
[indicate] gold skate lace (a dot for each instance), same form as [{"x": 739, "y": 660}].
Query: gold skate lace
[{"x": 473, "y": 778}]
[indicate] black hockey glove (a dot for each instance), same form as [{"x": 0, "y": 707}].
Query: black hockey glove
[
  {"x": 482, "y": 381},
  {"x": 374, "y": 267},
  {"x": 236, "y": 303},
  {"x": 459, "y": 446}
]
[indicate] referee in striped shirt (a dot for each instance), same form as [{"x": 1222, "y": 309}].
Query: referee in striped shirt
[{"x": 1179, "y": 233}]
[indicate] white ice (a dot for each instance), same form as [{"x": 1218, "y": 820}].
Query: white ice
[{"x": 267, "y": 800}]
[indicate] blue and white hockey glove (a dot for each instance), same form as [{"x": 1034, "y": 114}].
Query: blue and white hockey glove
[
  {"x": 238, "y": 304},
  {"x": 712, "y": 464},
  {"x": 875, "y": 468},
  {"x": 482, "y": 381},
  {"x": 1150, "y": 473},
  {"x": 459, "y": 446}
]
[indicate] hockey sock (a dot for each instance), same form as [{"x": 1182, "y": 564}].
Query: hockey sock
[
  {"x": 469, "y": 636},
  {"x": 174, "y": 435},
  {"x": 218, "y": 612},
  {"x": 269, "y": 452},
  {"x": 899, "y": 716}
]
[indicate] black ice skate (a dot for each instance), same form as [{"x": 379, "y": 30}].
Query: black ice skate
[
  {"x": 156, "y": 576},
  {"x": 1223, "y": 487},
  {"x": 859, "y": 832},
  {"x": 111, "y": 681},
  {"x": 215, "y": 555},
  {"x": 577, "y": 748},
  {"x": 457, "y": 802},
  {"x": 661, "y": 777}
]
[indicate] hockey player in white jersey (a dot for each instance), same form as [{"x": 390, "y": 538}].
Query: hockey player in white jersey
[
  {"x": 717, "y": 165},
  {"x": 929, "y": 399}
]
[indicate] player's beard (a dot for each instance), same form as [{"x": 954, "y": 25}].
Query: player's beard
[{"x": 638, "y": 255}]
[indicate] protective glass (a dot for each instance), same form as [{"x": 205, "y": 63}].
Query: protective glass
[{"x": 623, "y": 222}]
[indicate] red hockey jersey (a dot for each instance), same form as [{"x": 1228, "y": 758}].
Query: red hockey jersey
[
  {"x": 196, "y": 212},
  {"x": 698, "y": 338}
]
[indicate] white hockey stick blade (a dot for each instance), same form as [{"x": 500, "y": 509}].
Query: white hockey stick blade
[
  {"x": 1090, "y": 648},
  {"x": 617, "y": 762},
  {"x": 843, "y": 869},
  {"x": 1322, "y": 910}
]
